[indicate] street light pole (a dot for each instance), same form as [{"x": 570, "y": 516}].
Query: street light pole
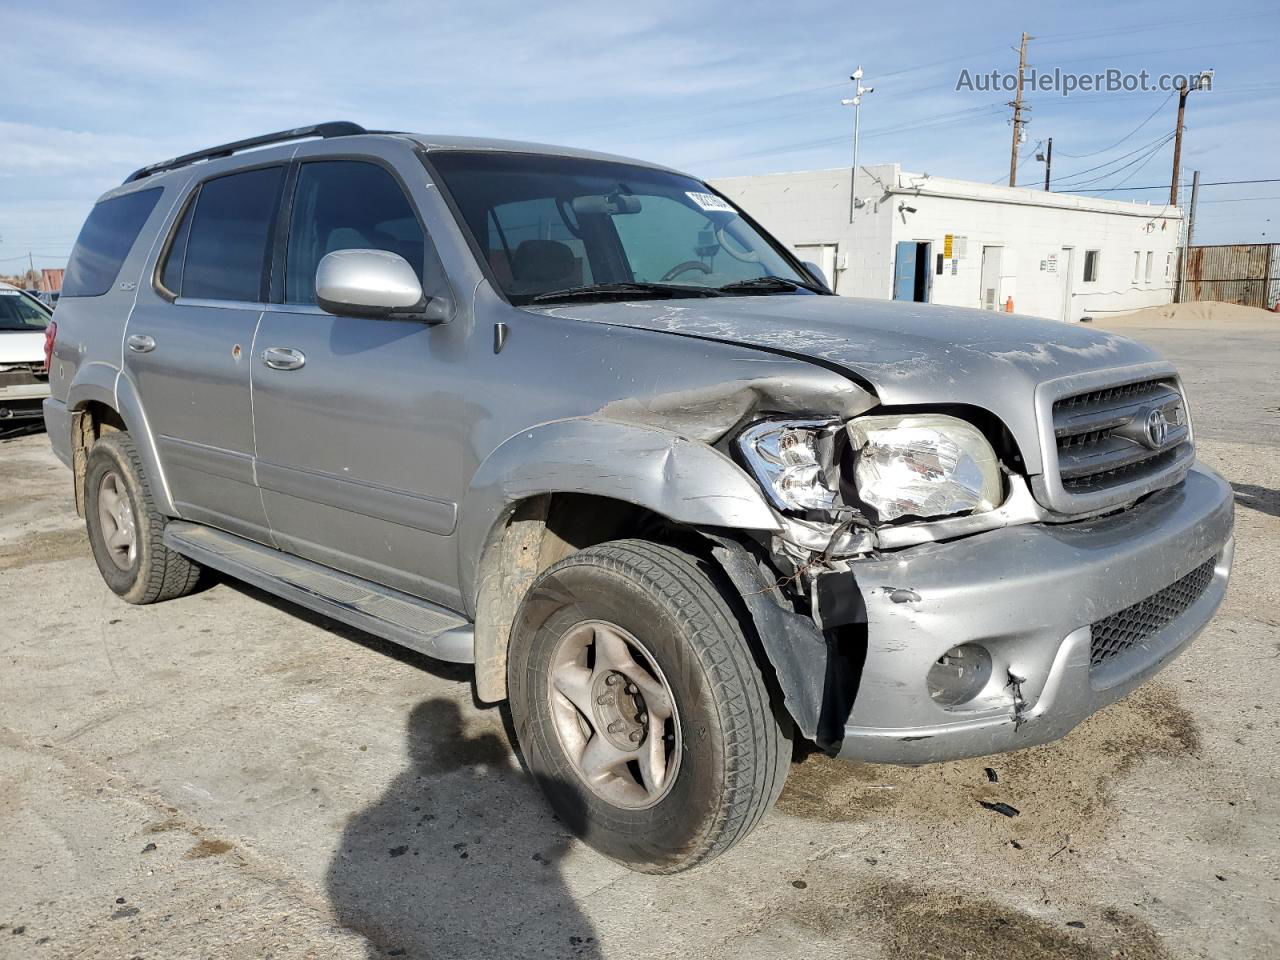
[{"x": 856, "y": 102}]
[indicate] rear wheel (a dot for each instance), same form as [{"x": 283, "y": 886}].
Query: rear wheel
[
  {"x": 126, "y": 531},
  {"x": 640, "y": 708}
]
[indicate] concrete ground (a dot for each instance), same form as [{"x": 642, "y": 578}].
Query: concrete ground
[{"x": 228, "y": 776}]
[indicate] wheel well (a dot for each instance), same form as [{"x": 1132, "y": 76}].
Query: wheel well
[
  {"x": 89, "y": 422},
  {"x": 538, "y": 532}
]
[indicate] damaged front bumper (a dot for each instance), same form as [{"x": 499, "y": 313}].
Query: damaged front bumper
[{"x": 1029, "y": 595}]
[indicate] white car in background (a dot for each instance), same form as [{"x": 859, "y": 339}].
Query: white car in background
[{"x": 24, "y": 369}]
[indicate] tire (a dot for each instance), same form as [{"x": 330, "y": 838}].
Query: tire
[
  {"x": 148, "y": 571},
  {"x": 727, "y": 754}
]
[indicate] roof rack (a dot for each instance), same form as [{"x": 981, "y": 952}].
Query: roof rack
[{"x": 336, "y": 128}]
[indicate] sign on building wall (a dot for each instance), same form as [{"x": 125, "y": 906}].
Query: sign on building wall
[
  {"x": 947, "y": 245},
  {"x": 1049, "y": 264}
]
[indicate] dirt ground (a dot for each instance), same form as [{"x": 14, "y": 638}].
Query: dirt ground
[{"x": 228, "y": 776}]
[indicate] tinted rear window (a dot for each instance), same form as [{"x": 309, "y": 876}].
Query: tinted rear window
[
  {"x": 105, "y": 240},
  {"x": 226, "y": 249}
]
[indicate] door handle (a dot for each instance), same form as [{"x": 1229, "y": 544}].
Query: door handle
[
  {"x": 283, "y": 358},
  {"x": 141, "y": 343}
]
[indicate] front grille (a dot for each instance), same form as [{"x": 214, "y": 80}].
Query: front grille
[
  {"x": 22, "y": 374},
  {"x": 1115, "y": 635},
  {"x": 1102, "y": 435}
]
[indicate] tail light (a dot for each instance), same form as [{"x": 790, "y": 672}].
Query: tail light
[{"x": 50, "y": 335}]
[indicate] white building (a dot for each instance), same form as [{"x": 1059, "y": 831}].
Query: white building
[{"x": 920, "y": 237}]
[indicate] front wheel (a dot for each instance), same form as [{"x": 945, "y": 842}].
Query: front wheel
[{"x": 640, "y": 708}]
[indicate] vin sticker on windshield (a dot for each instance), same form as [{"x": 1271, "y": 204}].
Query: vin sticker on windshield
[{"x": 709, "y": 201}]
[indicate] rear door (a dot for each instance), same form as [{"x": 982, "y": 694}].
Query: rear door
[
  {"x": 359, "y": 458},
  {"x": 188, "y": 347}
]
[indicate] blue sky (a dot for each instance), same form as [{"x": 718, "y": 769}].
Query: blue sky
[{"x": 94, "y": 90}]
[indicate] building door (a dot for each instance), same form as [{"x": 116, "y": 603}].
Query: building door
[
  {"x": 990, "y": 289},
  {"x": 911, "y": 277},
  {"x": 824, "y": 255},
  {"x": 1067, "y": 269}
]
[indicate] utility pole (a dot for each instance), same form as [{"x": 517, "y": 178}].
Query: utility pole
[
  {"x": 1191, "y": 216},
  {"x": 1202, "y": 81},
  {"x": 1177, "y": 143},
  {"x": 1191, "y": 229},
  {"x": 1047, "y": 157},
  {"x": 1016, "y": 103}
]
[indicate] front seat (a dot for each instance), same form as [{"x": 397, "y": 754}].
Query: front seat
[{"x": 544, "y": 265}]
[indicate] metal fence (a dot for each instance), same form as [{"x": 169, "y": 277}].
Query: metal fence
[{"x": 1244, "y": 273}]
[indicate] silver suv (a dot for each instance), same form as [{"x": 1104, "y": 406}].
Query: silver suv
[{"x": 580, "y": 421}]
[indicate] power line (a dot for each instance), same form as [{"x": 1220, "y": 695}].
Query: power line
[
  {"x": 1081, "y": 156},
  {"x": 1147, "y": 28},
  {"x": 1142, "y": 159},
  {"x": 46, "y": 256},
  {"x": 922, "y": 123},
  {"x": 1239, "y": 199},
  {"x": 1080, "y": 173},
  {"x": 1165, "y": 186},
  {"x": 1129, "y": 54}
]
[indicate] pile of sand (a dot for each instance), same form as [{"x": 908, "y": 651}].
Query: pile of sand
[{"x": 1199, "y": 314}]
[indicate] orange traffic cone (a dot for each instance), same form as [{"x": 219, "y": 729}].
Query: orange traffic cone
[{"x": 1008, "y": 305}]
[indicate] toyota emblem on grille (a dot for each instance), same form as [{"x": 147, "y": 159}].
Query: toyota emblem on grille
[{"x": 1157, "y": 429}]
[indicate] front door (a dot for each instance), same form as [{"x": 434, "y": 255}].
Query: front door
[
  {"x": 824, "y": 255},
  {"x": 355, "y": 443},
  {"x": 990, "y": 288},
  {"x": 904, "y": 271},
  {"x": 1066, "y": 267},
  {"x": 189, "y": 352},
  {"x": 912, "y": 279}
]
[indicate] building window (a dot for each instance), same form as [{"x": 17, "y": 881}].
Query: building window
[
  {"x": 1137, "y": 265},
  {"x": 1168, "y": 265},
  {"x": 1090, "y": 266},
  {"x": 1151, "y": 259}
]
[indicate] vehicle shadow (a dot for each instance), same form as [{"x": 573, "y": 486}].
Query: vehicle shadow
[
  {"x": 13, "y": 429},
  {"x": 459, "y": 672},
  {"x": 459, "y": 856},
  {"x": 1263, "y": 499}
]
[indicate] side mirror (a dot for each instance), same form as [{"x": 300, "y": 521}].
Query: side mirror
[
  {"x": 369, "y": 283},
  {"x": 817, "y": 273}
]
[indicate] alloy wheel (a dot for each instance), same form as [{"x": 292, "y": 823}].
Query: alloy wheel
[
  {"x": 614, "y": 714},
  {"x": 115, "y": 517}
]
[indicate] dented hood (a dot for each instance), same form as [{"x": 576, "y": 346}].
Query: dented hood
[{"x": 910, "y": 353}]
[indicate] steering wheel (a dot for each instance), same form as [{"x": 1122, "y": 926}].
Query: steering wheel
[
  {"x": 745, "y": 257},
  {"x": 685, "y": 267}
]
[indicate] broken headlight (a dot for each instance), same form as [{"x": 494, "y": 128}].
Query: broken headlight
[
  {"x": 792, "y": 461},
  {"x": 923, "y": 465}
]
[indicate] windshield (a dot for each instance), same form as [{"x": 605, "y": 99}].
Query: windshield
[
  {"x": 549, "y": 224},
  {"x": 20, "y": 312}
]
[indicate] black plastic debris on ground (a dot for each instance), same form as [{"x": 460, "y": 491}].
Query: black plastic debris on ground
[
  {"x": 992, "y": 776},
  {"x": 1001, "y": 808}
]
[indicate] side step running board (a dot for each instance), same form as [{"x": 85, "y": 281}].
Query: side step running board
[{"x": 414, "y": 623}]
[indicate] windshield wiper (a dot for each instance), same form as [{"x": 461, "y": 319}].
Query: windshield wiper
[
  {"x": 767, "y": 284},
  {"x": 624, "y": 291}
]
